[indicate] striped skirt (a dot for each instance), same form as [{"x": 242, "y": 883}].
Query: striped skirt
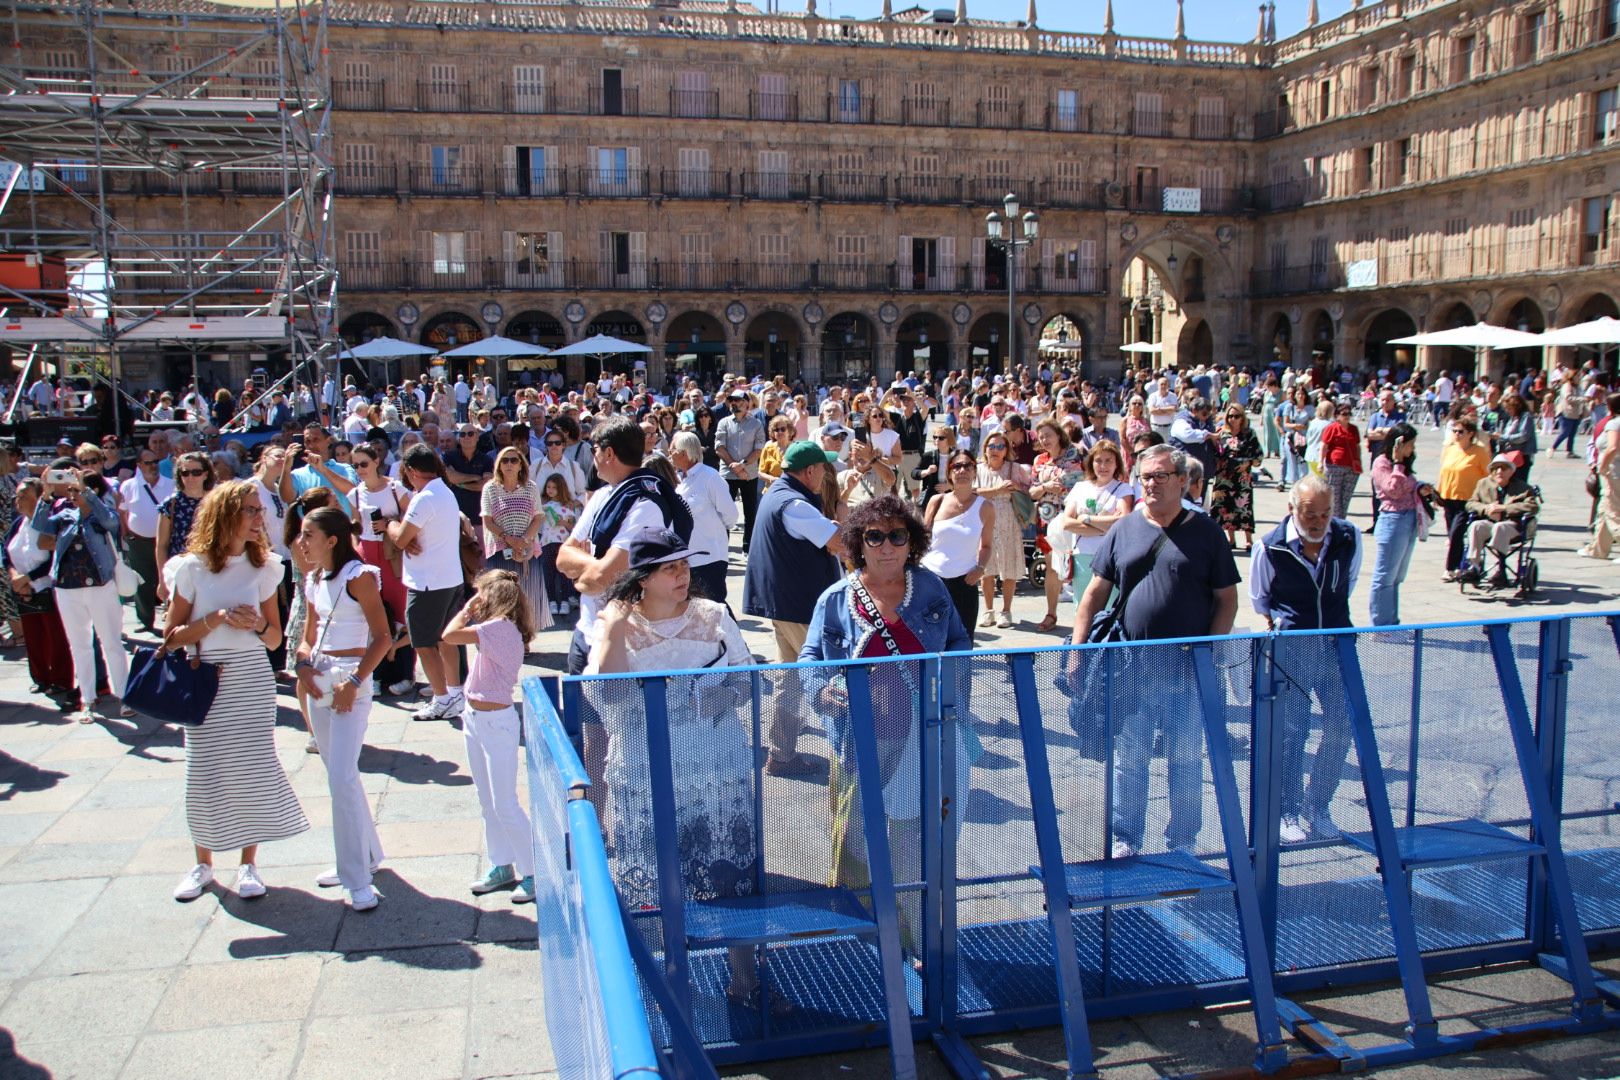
[{"x": 236, "y": 791}]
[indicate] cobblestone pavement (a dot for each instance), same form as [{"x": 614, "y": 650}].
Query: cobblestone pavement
[{"x": 102, "y": 974}]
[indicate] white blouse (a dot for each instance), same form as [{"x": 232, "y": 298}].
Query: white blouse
[{"x": 238, "y": 582}]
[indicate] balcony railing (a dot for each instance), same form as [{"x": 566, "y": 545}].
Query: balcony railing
[
  {"x": 695, "y": 183},
  {"x": 366, "y": 180},
  {"x": 360, "y": 95},
  {"x": 703, "y": 276},
  {"x": 694, "y": 103},
  {"x": 925, "y": 112},
  {"x": 853, "y": 187},
  {"x": 999, "y": 114},
  {"x": 531, "y": 182},
  {"x": 1206, "y": 126},
  {"x": 461, "y": 179},
  {"x": 773, "y": 106},
  {"x": 1150, "y": 125},
  {"x": 776, "y": 185}
]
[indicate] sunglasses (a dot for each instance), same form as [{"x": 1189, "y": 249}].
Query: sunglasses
[
  {"x": 193, "y": 472},
  {"x": 995, "y": 446},
  {"x": 553, "y": 442},
  {"x": 147, "y": 461},
  {"x": 962, "y": 466},
  {"x": 898, "y": 537}
]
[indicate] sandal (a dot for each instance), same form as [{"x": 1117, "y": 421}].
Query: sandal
[{"x": 1048, "y": 623}]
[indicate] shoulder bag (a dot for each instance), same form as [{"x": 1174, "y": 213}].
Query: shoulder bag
[{"x": 171, "y": 686}]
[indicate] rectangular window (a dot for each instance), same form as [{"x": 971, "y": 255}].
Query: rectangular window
[
  {"x": 359, "y": 169},
  {"x": 773, "y": 174},
  {"x": 695, "y": 261},
  {"x": 446, "y": 161},
  {"x": 772, "y": 103},
  {"x": 613, "y": 170},
  {"x": 612, "y": 92},
  {"x": 924, "y": 182},
  {"x": 1145, "y": 194},
  {"x": 1462, "y": 58},
  {"x": 1406, "y": 76},
  {"x": 692, "y": 173},
  {"x": 848, "y": 176},
  {"x": 924, "y": 255},
  {"x": 1454, "y": 247},
  {"x": 1319, "y": 177},
  {"x": 849, "y": 260},
  {"x": 692, "y": 96},
  {"x": 921, "y": 104},
  {"x": 997, "y": 176},
  {"x": 529, "y": 172},
  {"x": 619, "y": 253},
  {"x": 997, "y": 105},
  {"x": 449, "y": 253},
  {"x": 849, "y": 101},
  {"x": 528, "y": 88},
  {"x": 1595, "y": 220},
  {"x": 362, "y": 249},
  {"x": 444, "y": 88},
  {"x": 355, "y": 89},
  {"x": 1605, "y": 116},
  {"x": 1397, "y": 265},
  {"x": 1066, "y": 114},
  {"x": 1212, "y": 187},
  {"x": 1210, "y": 120},
  {"x": 1324, "y": 100},
  {"x": 1532, "y": 32},
  {"x": 1321, "y": 259},
  {"x": 774, "y": 249},
  {"x": 1405, "y": 161},
  {"x": 1610, "y": 19},
  {"x": 1071, "y": 180},
  {"x": 1366, "y": 168},
  {"x": 1521, "y": 239},
  {"x": 1148, "y": 116},
  {"x": 1371, "y": 77},
  {"x": 531, "y": 252}
]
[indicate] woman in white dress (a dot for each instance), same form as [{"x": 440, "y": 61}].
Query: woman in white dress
[
  {"x": 650, "y": 623},
  {"x": 223, "y": 603}
]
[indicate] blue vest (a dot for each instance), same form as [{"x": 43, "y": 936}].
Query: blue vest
[
  {"x": 785, "y": 575},
  {"x": 1203, "y": 451},
  {"x": 1300, "y": 601}
]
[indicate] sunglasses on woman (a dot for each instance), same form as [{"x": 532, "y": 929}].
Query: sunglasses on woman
[
  {"x": 193, "y": 472},
  {"x": 873, "y": 538}
]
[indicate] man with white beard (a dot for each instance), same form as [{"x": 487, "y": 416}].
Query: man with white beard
[{"x": 1300, "y": 578}]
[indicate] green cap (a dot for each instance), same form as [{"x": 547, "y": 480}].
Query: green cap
[{"x": 803, "y": 454}]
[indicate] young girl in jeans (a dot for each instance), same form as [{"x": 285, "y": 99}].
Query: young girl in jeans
[{"x": 498, "y": 621}]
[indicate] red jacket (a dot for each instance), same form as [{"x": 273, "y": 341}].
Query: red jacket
[{"x": 1341, "y": 445}]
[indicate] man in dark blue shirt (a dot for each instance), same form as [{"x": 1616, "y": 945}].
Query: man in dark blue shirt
[{"x": 1184, "y": 587}]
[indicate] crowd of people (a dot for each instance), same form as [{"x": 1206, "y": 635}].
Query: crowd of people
[{"x": 341, "y": 539}]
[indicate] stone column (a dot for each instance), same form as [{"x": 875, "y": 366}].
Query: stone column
[
  {"x": 885, "y": 361},
  {"x": 810, "y": 360},
  {"x": 961, "y": 351},
  {"x": 735, "y": 348},
  {"x": 657, "y": 361}
]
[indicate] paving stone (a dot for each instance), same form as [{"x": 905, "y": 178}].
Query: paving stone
[
  {"x": 89, "y": 1005},
  {"x": 507, "y": 1038},
  {"x": 436, "y": 977},
  {"x": 24, "y": 828},
  {"x": 102, "y": 940},
  {"x": 67, "y": 1058},
  {"x": 410, "y": 839},
  {"x": 239, "y": 992},
  {"x": 132, "y": 824},
  {"x": 293, "y": 918},
  {"x": 427, "y": 1045},
  {"x": 508, "y": 971},
  {"x": 58, "y": 862},
  {"x": 35, "y": 916},
  {"x": 422, "y": 905},
  {"x": 259, "y": 1050}
]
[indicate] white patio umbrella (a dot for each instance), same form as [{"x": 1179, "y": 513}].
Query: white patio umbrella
[
  {"x": 1477, "y": 336},
  {"x": 385, "y": 349},
  {"x": 1604, "y": 331},
  {"x": 497, "y": 347},
  {"x": 602, "y": 346},
  {"x": 1142, "y": 347}
]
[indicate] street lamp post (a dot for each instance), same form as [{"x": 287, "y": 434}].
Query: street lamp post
[{"x": 1010, "y": 232}]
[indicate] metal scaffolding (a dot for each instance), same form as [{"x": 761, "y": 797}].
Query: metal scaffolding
[{"x": 100, "y": 108}]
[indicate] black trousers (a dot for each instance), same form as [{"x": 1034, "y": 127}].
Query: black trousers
[
  {"x": 1456, "y": 514},
  {"x": 966, "y": 599},
  {"x": 746, "y": 491},
  {"x": 142, "y": 554}
]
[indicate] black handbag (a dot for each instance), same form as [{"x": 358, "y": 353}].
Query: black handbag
[{"x": 171, "y": 686}]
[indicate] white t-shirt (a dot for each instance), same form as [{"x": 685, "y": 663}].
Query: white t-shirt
[
  {"x": 275, "y": 517},
  {"x": 885, "y": 441},
  {"x": 1107, "y": 497},
  {"x": 388, "y": 500},
  {"x": 140, "y": 501},
  {"x": 1444, "y": 390},
  {"x": 239, "y": 582},
  {"x": 643, "y": 514},
  {"x": 434, "y": 512}
]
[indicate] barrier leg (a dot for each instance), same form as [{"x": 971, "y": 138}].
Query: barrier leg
[
  {"x": 1270, "y": 1054},
  {"x": 1071, "y": 996},
  {"x": 1421, "y": 1030},
  {"x": 671, "y": 888}
]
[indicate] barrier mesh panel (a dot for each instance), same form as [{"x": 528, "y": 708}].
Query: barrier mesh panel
[
  {"x": 573, "y": 998},
  {"x": 1591, "y": 773},
  {"x": 743, "y": 835}
]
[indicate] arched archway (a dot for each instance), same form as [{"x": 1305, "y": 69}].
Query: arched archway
[
  {"x": 1319, "y": 332},
  {"x": 1382, "y": 328},
  {"x": 1196, "y": 345},
  {"x": 1280, "y": 341},
  {"x": 771, "y": 345},
  {"x": 695, "y": 343},
  {"x": 847, "y": 346},
  {"x": 1064, "y": 342},
  {"x": 922, "y": 344},
  {"x": 363, "y": 326},
  {"x": 1525, "y": 314},
  {"x": 537, "y": 328},
  {"x": 1596, "y": 306},
  {"x": 447, "y": 330},
  {"x": 987, "y": 342}
]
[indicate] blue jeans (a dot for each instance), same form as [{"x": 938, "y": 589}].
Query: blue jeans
[
  {"x": 1293, "y": 465},
  {"x": 1396, "y": 536},
  {"x": 1568, "y": 428},
  {"x": 1172, "y": 707},
  {"x": 1307, "y": 667}
]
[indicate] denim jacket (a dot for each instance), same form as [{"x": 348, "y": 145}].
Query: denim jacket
[
  {"x": 927, "y": 611},
  {"x": 67, "y": 524}
]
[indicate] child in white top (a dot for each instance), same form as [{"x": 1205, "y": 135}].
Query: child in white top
[
  {"x": 498, "y": 621},
  {"x": 561, "y": 511}
]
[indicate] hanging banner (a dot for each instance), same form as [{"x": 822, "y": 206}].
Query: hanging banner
[{"x": 1183, "y": 200}]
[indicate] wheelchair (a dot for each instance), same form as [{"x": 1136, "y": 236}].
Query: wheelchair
[{"x": 1517, "y": 569}]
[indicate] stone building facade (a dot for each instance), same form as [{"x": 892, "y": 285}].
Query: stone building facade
[{"x": 790, "y": 194}]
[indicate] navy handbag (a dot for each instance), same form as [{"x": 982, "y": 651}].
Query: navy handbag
[{"x": 171, "y": 686}]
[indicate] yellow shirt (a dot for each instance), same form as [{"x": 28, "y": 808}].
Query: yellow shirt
[
  {"x": 1461, "y": 470},
  {"x": 770, "y": 460}
]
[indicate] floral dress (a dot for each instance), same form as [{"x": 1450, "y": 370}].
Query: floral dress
[
  {"x": 181, "y": 509},
  {"x": 1231, "y": 500},
  {"x": 1007, "y": 542}
]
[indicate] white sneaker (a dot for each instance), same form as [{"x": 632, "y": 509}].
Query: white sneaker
[
  {"x": 363, "y": 899},
  {"x": 1123, "y": 850},
  {"x": 401, "y": 688},
  {"x": 192, "y": 885},
  {"x": 249, "y": 885},
  {"x": 331, "y": 880},
  {"x": 439, "y": 710},
  {"x": 1292, "y": 831}
]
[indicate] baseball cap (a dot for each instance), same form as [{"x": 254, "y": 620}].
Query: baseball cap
[
  {"x": 835, "y": 429},
  {"x": 654, "y": 546},
  {"x": 804, "y": 453}
]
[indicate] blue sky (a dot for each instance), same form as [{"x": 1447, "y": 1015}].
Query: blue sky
[{"x": 1207, "y": 20}]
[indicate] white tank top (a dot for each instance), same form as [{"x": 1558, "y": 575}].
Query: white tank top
[
  {"x": 331, "y": 602},
  {"x": 955, "y": 547}
]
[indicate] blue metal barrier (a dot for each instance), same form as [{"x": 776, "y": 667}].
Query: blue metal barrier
[
  {"x": 594, "y": 1012},
  {"x": 1061, "y": 835}
]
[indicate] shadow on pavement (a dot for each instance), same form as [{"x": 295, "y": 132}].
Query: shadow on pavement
[
  {"x": 410, "y": 767},
  {"x": 18, "y": 777}
]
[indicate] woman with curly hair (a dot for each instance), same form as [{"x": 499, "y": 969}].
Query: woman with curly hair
[{"x": 223, "y": 604}]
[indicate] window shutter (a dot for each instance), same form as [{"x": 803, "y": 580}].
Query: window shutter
[
  {"x": 904, "y": 262},
  {"x": 1047, "y": 249},
  {"x": 1088, "y": 265},
  {"x": 592, "y": 170},
  {"x": 638, "y": 259},
  {"x": 977, "y": 259},
  {"x": 632, "y": 157},
  {"x": 947, "y": 262},
  {"x": 605, "y": 252}
]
